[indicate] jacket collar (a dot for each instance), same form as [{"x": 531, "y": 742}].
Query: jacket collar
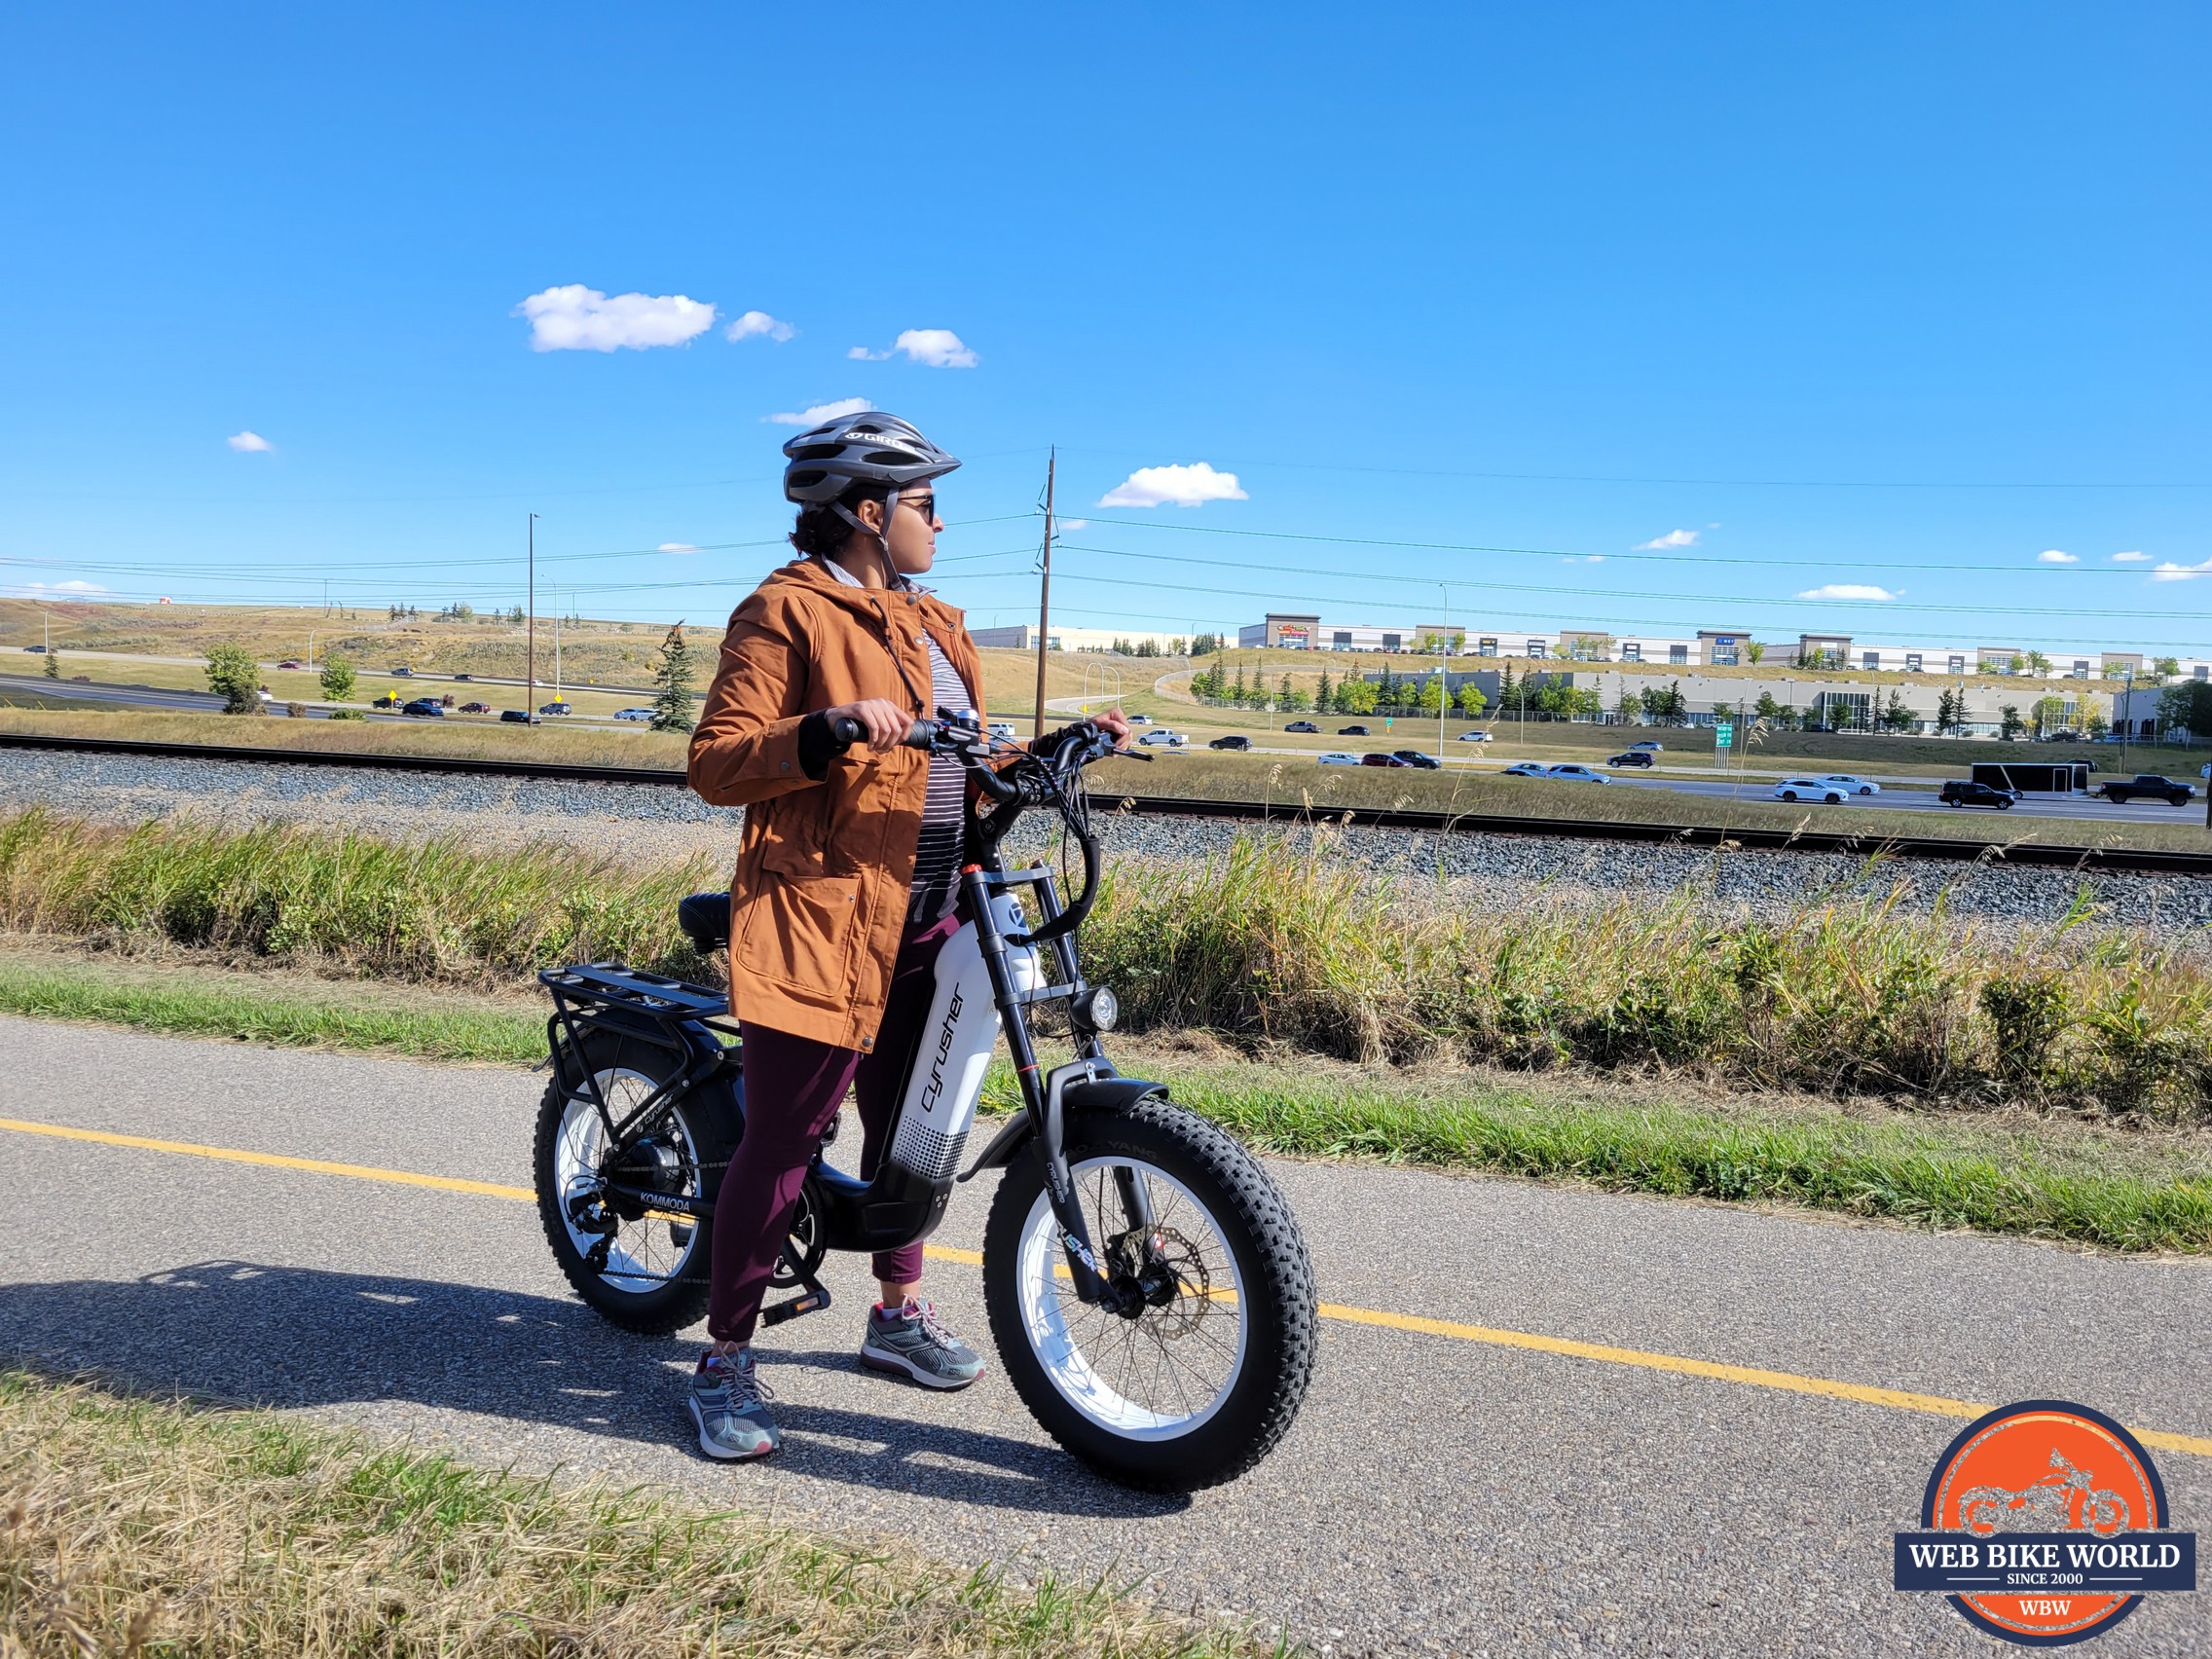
[{"x": 818, "y": 577}]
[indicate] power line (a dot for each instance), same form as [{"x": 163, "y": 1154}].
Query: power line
[
  {"x": 1474, "y": 585},
  {"x": 1623, "y": 558}
]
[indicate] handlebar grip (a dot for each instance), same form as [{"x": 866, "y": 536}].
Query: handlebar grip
[
  {"x": 921, "y": 734},
  {"x": 847, "y": 731}
]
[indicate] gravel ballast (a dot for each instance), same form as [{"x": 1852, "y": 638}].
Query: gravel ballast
[{"x": 1476, "y": 870}]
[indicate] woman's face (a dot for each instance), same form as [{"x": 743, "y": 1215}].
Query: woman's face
[{"x": 914, "y": 525}]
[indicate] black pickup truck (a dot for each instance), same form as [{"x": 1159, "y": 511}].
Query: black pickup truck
[{"x": 2149, "y": 785}]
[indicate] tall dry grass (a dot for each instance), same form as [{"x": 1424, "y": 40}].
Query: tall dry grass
[
  {"x": 1269, "y": 943},
  {"x": 134, "y": 1528},
  {"x": 411, "y": 910}
]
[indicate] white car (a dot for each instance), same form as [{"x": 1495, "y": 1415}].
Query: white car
[
  {"x": 1650, "y": 747},
  {"x": 1164, "y": 739},
  {"x": 1474, "y": 737},
  {"x": 633, "y": 714},
  {"x": 1140, "y": 720},
  {"x": 1822, "y": 789},
  {"x": 1338, "y": 757},
  {"x": 1849, "y": 785},
  {"x": 1571, "y": 773},
  {"x": 1003, "y": 728}
]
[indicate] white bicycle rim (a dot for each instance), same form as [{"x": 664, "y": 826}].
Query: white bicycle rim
[
  {"x": 645, "y": 1253},
  {"x": 1096, "y": 1358}
]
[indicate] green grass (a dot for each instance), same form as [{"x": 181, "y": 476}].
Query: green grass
[
  {"x": 2041, "y": 1179},
  {"x": 136, "y": 1527},
  {"x": 1931, "y": 1173},
  {"x": 198, "y": 1002}
]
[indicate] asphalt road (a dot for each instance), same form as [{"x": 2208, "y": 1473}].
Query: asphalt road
[
  {"x": 101, "y": 692},
  {"x": 1439, "y": 1493}
]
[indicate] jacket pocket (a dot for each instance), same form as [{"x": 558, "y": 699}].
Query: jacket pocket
[{"x": 798, "y": 931}]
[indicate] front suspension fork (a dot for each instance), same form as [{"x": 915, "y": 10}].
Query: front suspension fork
[{"x": 1092, "y": 1281}]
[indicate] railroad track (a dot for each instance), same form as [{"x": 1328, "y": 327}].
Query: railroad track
[{"x": 2112, "y": 860}]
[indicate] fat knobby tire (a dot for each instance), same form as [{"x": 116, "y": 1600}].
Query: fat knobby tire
[
  {"x": 1279, "y": 1302},
  {"x": 672, "y": 1306}
]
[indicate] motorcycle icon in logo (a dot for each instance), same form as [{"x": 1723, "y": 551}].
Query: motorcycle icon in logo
[
  {"x": 2065, "y": 1502},
  {"x": 2019, "y": 1535}
]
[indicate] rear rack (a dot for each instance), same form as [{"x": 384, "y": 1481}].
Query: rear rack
[{"x": 655, "y": 995}]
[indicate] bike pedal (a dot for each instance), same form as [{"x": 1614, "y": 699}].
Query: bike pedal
[{"x": 812, "y": 1301}]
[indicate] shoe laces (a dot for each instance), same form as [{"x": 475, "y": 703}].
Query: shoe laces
[
  {"x": 925, "y": 1315},
  {"x": 742, "y": 1377}
]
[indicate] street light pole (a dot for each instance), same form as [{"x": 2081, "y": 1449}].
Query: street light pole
[{"x": 530, "y": 649}]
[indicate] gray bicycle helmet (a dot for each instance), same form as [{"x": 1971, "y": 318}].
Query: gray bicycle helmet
[{"x": 868, "y": 448}]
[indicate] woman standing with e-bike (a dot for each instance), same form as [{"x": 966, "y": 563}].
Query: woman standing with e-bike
[{"x": 845, "y": 882}]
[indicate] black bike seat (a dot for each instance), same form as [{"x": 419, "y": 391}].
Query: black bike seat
[{"x": 704, "y": 918}]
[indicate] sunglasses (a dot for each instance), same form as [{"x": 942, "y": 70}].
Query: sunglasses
[{"x": 926, "y": 505}]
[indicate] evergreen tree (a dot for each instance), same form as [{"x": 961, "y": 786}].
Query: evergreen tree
[
  {"x": 672, "y": 703},
  {"x": 1321, "y": 692},
  {"x": 1237, "y": 696},
  {"x": 52, "y": 663}
]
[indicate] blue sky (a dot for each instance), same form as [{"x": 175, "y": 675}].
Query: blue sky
[{"x": 1850, "y": 296}]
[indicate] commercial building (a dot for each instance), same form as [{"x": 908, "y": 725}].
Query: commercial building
[
  {"x": 1707, "y": 648},
  {"x": 1022, "y": 637}
]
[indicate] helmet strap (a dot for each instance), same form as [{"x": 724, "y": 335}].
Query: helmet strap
[{"x": 881, "y": 538}]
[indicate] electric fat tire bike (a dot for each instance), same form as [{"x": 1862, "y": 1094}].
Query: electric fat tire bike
[{"x": 1146, "y": 1286}]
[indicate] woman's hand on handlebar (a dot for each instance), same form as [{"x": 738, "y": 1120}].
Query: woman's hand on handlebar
[
  {"x": 883, "y": 723},
  {"x": 1115, "y": 725}
]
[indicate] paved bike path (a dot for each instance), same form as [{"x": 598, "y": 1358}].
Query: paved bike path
[{"x": 1437, "y": 1495}]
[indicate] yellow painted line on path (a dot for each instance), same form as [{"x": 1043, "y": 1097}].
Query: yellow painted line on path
[{"x": 1746, "y": 1376}]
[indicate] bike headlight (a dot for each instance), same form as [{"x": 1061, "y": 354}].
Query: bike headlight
[{"x": 1097, "y": 1009}]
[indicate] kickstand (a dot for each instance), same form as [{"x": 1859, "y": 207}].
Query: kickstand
[{"x": 811, "y": 1299}]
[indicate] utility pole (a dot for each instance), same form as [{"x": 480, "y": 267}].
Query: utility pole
[
  {"x": 1045, "y": 591},
  {"x": 530, "y": 649},
  {"x": 1443, "y": 674}
]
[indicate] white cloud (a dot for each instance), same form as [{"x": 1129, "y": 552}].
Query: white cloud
[
  {"x": 1673, "y": 538},
  {"x": 677, "y": 547},
  {"x": 71, "y": 589},
  {"x": 937, "y": 348},
  {"x": 819, "y": 413},
  {"x": 2052, "y": 556},
  {"x": 1068, "y": 526},
  {"x": 248, "y": 443},
  {"x": 577, "y": 318},
  {"x": 1850, "y": 590},
  {"x": 1583, "y": 559},
  {"x": 2169, "y": 572},
  {"x": 1173, "y": 486},
  {"x": 754, "y": 322},
  {"x": 2131, "y": 558}
]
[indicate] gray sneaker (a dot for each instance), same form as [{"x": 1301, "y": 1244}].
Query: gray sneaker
[
  {"x": 911, "y": 1342},
  {"x": 724, "y": 1402}
]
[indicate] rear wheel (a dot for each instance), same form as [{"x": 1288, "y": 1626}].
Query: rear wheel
[
  {"x": 644, "y": 1267},
  {"x": 1207, "y": 1377}
]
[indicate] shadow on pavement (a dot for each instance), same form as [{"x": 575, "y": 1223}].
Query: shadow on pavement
[{"x": 292, "y": 1337}]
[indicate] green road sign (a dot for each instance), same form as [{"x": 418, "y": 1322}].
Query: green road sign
[{"x": 1724, "y": 735}]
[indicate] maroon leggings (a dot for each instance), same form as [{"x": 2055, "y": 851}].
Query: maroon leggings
[{"x": 793, "y": 1088}]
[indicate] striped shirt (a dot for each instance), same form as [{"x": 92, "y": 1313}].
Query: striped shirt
[{"x": 944, "y": 809}]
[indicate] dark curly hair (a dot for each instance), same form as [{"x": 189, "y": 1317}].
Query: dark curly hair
[{"x": 820, "y": 531}]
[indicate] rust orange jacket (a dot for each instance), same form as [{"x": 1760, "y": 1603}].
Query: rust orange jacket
[{"x": 819, "y": 899}]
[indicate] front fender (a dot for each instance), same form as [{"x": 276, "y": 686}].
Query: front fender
[{"x": 1066, "y": 1088}]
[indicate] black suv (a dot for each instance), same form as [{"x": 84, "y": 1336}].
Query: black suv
[
  {"x": 427, "y": 707},
  {"x": 2149, "y": 785},
  {"x": 1232, "y": 741},
  {"x": 1959, "y": 792},
  {"x": 1415, "y": 757},
  {"x": 1633, "y": 757},
  {"x": 1352, "y": 731}
]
